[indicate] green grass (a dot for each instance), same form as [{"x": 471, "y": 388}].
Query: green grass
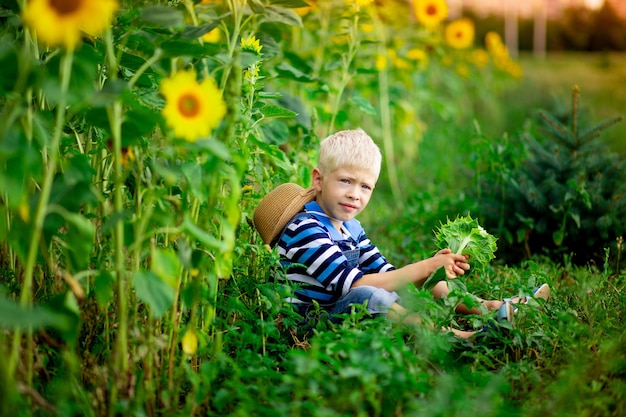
[
  {"x": 548, "y": 82},
  {"x": 564, "y": 358}
]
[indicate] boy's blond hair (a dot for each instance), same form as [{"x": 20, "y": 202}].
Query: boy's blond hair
[{"x": 350, "y": 148}]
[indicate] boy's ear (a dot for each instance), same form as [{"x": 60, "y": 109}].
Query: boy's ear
[{"x": 316, "y": 179}]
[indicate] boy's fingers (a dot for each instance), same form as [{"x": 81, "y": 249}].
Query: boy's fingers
[{"x": 463, "y": 265}]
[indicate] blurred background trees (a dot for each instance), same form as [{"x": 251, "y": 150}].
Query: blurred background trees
[{"x": 576, "y": 28}]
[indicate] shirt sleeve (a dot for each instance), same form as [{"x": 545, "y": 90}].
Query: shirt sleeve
[{"x": 370, "y": 258}]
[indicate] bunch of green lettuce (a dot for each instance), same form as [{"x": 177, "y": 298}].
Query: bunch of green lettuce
[{"x": 464, "y": 236}]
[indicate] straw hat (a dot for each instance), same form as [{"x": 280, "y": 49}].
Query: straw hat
[{"x": 278, "y": 207}]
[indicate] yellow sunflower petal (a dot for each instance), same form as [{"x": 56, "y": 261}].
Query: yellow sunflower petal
[
  {"x": 62, "y": 22},
  {"x": 494, "y": 44},
  {"x": 192, "y": 109},
  {"x": 460, "y": 33},
  {"x": 480, "y": 57},
  {"x": 381, "y": 62},
  {"x": 24, "y": 211},
  {"x": 213, "y": 36},
  {"x": 190, "y": 342},
  {"x": 251, "y": 43},
  {"x": 430, "y": 13},
  {"x": 420, "y": 56}
]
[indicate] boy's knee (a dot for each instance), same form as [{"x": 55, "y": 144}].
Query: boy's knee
[
  {"x": 379, "y": 300},
  {"x": 363, "y": 291}
]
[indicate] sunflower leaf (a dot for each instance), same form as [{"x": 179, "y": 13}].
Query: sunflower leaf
[
  {"x": 292, "y": 4},
  {"x": 271, "y": 110},
  {"x": 282, "y": 15},
  {"x": 163, "y": 16},
  {"x": 153, "y": 291}
]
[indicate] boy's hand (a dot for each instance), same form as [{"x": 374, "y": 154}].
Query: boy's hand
[{"x": 453, "y": 264}]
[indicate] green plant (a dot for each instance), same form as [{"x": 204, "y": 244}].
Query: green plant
[
  {"x": 134, "y": 284},
  {"x": 564, "y": 195},
  {"x": 464, "y": 236}
]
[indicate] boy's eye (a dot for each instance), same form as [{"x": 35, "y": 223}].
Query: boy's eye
[
  {"x": 345, "y": 180},
  {"x": 366, "y": 187}
]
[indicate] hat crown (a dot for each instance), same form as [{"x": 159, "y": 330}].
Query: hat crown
[{"x": 278, "y": 207}]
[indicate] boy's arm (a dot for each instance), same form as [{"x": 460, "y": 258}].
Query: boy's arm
[{"x": 416, "y": 273}]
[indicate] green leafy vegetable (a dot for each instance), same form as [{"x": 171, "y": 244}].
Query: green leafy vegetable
[{"x": 464, "y": 236}]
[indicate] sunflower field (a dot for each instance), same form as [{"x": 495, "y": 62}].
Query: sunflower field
[{"x": 136, "y": 139}]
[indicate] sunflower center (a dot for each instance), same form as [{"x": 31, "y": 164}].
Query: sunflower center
[
  {"x": 431, "y": 10},
  {"x": 64, "y": 7},
  {"x": 188, "y": 105}
]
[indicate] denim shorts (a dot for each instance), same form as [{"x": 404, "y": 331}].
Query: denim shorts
[{"x": 379, "y": 300}]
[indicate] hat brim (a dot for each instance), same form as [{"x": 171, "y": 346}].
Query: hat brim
[{"x": 278, "y": 207}]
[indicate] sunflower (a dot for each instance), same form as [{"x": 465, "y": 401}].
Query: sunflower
[
  {"x": 462, "y": 70},
  {"x": 480, "y": 58},
  {"x": 362, "y": 3},
  {"x": 430, "y": 13},
  {"x": 303, "y": 11},
  {"x": 419, "y": 56},
  {"x": 192, "y": 109},
  {"x": 214, "y": 36},
  {"x": 251, "y": 73},
  {"x": 494, "y": 44},
  {"x": 460, "y": 33},
  {"x": 381, "y": 62},
  {"x": 367, "y": 28},
  {"x": 397, "y": 62},
  {"x": 62, "y": 22},
  {"x": 506, "y": 64},
  {"x": 189, "y": 342},
  {"x": 252, "y": 44}
]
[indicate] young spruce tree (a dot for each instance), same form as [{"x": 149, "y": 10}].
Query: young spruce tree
[{"x": 567, "y": 196}]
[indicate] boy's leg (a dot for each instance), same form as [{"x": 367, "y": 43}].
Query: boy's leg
[
  {"x": 441, "y": 289},
  {"x": 379, "y": 301},
  {"x": 542, "y": 291},
  {"x": 399, "y": 313}
]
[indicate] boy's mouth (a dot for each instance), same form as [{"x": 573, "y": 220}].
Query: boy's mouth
[{"x": 349, "y": 206}]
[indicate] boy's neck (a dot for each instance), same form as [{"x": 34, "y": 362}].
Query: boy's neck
[{"x": 337, "y": 224}]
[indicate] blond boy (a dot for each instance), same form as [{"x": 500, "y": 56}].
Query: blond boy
[{"x": 326, "y": 252}]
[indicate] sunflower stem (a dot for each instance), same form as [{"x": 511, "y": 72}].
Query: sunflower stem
[
  {"x": 173, "y": 334},
  {"x": 346, "y": 76},
  {"x": 232, "y": 44},
  {"x": 325, "y": 18},
  {"x": 114, "y": 113},
  {"x": 26, "y": 296},
  {"x": 154, "y": 58},
  {"x": 385, "y": 114},
  {"x": 194, "y": 18}
]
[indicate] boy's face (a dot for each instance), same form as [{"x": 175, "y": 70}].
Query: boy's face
[{"x": 344, "y": 192}]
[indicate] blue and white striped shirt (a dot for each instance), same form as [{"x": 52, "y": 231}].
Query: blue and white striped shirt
[{"x": 312, "y": 253}]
